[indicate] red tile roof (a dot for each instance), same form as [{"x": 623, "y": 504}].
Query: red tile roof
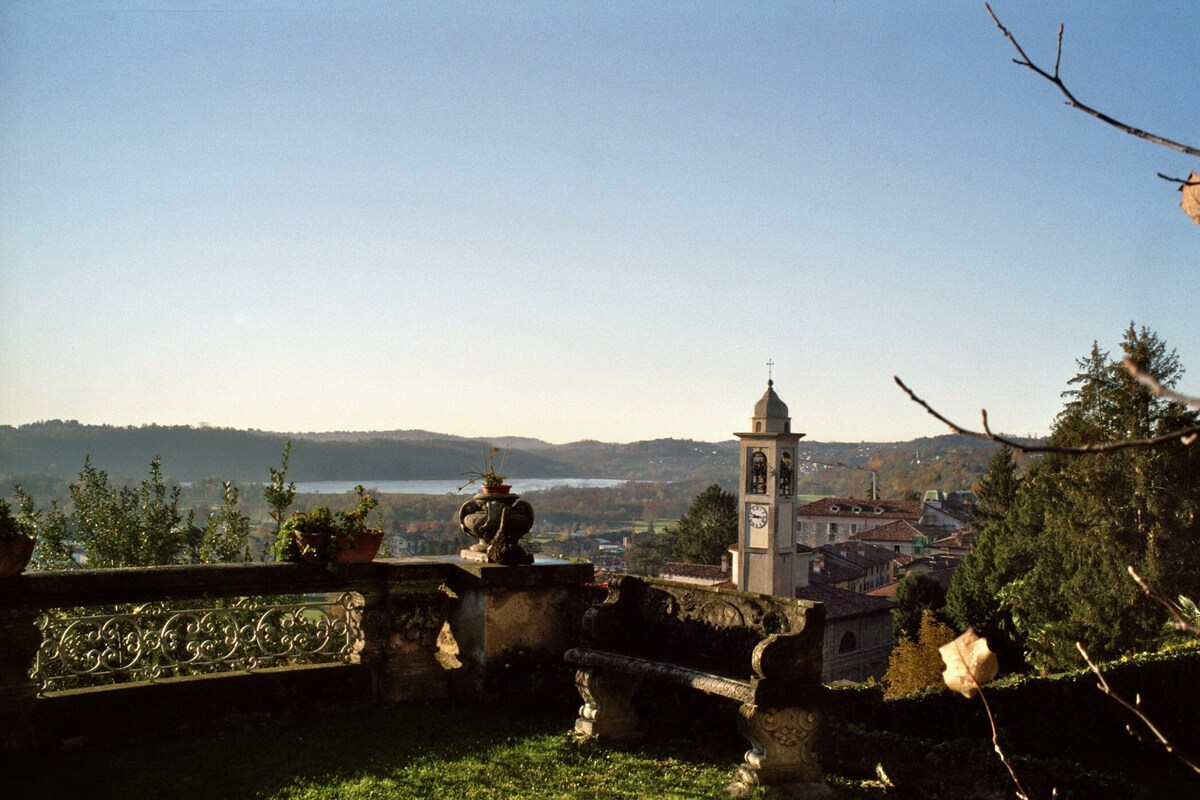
[
  {"x": 964, "y": 539},
  {"x": 899, "y": 531},
  {"x": 962, "y": 515},
  {"x": 712, "y": 572},
  {"x": 888, "y": 509},
  {"x": 860, "y": 554},
  {"x": 833, "y": 572},
  {"x": 841, "y": 604}
]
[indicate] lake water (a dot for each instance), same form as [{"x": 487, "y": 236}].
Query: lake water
[{"x": 520, "y": 486}]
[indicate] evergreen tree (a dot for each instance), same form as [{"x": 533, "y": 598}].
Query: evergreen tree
[
  {"x": 997, "y": 491},
  {"x": 916, "y": 594},
  {"x": 705, "y": 531},
  {"x": 974, "y": 599},
  {"x": 649, "y": 553},
  {"x": 1056, "y": 564}
]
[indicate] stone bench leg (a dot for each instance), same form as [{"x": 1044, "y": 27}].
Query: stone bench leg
[
  {"x": 783, "y": 745},
  {"x": 607, "y": 703}
]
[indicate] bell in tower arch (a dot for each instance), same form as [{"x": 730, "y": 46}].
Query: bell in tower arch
[{"x": 785, "y": 474}]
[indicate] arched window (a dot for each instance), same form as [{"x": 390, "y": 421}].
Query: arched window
[
  {"x": 758, "y": 474},
  {"x": 785, "y": 474},
  {"x": 848, "y": 642}
]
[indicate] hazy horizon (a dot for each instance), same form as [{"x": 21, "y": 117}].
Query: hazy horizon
[{"x": 500, "y": 438}]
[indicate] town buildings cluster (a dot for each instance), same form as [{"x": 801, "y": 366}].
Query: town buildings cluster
[{"x": 847, "y": 553}]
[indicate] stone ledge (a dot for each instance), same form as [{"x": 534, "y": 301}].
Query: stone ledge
[
  {"x": 58, "y": 589},
  {"x": 38, "y": 590},
  {"x": 542, "y": 572}
]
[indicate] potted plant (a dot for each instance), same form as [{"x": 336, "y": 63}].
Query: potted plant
[
  {"x": 16, "y": 542},
  {"x": 491, "y": 474},
  {"x": 322, "y": 536}
]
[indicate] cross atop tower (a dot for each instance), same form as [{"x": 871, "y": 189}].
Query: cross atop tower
[{"x": 770, "y": 363}]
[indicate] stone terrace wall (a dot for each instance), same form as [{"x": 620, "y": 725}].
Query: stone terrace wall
[{"x": 431, "y": 629}]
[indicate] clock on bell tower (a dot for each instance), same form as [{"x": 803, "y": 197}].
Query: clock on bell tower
[{"x": 767, "y": 500}]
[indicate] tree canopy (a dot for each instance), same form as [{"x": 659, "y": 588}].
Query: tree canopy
[
  {"x": 916, "y": 594},
  {"x": 1050, "y": 565},
  {"x": 915, "y": 663},
  {"x": 707, "y": 528}
]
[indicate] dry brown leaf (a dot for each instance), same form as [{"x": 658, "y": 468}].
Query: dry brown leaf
[
  {"x": 1191, "y": 197},
  {"x": 969, "y": 663}
]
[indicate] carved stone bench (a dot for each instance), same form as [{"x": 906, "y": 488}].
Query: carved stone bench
[{"x": 763, "y": 652}]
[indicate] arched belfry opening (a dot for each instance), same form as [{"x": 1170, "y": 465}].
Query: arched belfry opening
[{"x": 758, "y": 473}]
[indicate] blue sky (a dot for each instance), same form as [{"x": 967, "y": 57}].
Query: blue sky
[{"x": 578, "y": 220}]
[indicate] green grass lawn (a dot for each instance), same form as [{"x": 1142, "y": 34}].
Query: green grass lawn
[{"x": 404, "y": 752}]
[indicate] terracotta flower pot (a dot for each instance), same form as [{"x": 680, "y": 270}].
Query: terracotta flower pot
[
  {"x": 504, "y": 488},
  {"x": 14, "y": 555},
  {"x": 314, "y": 548},
  {"x": 362, "y": 550}
]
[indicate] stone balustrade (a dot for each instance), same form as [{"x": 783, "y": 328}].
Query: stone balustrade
[{"x": 181, "y": 646}]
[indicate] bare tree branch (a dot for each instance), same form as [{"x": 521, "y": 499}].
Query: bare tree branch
[
  {"x": 1183, "y": 624},
  {"x": 1021, "y": 794},
  {"x": 1156, "y": 388},
  {"x": 1135, "y": 709},
  {"x": 1054, "y": 78},
  {"x": 1182, "y": 181},
  {"x": 1185, "y": 436}
]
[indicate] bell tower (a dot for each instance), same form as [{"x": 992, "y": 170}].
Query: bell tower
[{"x": 767, "y": 499}]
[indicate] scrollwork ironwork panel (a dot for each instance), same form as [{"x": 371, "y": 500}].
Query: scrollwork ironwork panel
[{"x": 158, "y": 640}]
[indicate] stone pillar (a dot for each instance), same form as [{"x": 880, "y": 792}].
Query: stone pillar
[
  {"x": 400, "y": 631},
  {"x": 511, "y": 626}
]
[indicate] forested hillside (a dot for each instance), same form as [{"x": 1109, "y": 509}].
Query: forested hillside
[{"x": 56, "y": 450}]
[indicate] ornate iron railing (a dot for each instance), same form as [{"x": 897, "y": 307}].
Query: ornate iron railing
[
  {"x": 160, "y": 640},
  {"x": 390, "y": 631}
]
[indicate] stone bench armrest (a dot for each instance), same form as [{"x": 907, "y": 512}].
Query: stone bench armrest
[
  {"x": 795, "y": 656},
  {"x": 602, "y": 626}
]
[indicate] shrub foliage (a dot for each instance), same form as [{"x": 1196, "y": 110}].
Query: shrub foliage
[{"x": 916, "y": 665}]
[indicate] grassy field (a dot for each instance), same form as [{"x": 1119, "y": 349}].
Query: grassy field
[
  {"x": 406, "y": 752},
  {"x": 660, "y": 525}
]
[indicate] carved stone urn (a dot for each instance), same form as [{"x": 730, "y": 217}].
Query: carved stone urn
[{"x": 498, "y": 521}]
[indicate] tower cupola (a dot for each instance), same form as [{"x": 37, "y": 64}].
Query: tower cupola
[{"x": 770, "y": 413}]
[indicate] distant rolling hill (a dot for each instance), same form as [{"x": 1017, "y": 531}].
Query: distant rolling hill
[{"x": 57, "y": 449}]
